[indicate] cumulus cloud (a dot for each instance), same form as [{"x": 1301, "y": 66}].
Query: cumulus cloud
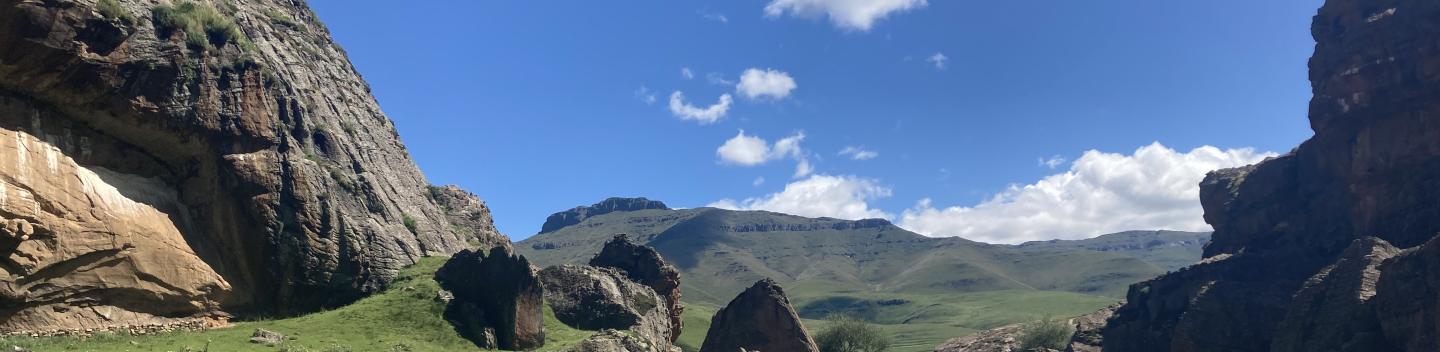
[
  {"x": 1154, "y": 188},
  {"x": 858, "y": 15},
  {"x": 841, "y": 197},
  {"x": 858, "y": 153},
  {"x": 645, "y": 95},
  {"x": 938, "y": 60},
  {"x": 705, "y": 116},
  {"x": 686, "y": 73},
  {"x": 767, "y": 83},
  {"x": 718, "y": 79},
  {"x": 747, "y": 150}
]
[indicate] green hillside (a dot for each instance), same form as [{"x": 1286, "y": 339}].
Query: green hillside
[{"x": 924, "y": 290}]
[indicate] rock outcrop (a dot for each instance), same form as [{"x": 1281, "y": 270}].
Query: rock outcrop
[
  {"x": 578, "y": 214},
  {"x": 153, "y": 176},
  {"x": 610, "y": 340},
  {"x": 1282, "y": 227},
  {"x": 644, "y": 265},
  {"x": 469, "y": 216},
  {"x": 759, "y": 319},
  {"x": 1008, "y": 338},
  {"x": 591, "y": 298},
  {"x": 498, "y": 299}
]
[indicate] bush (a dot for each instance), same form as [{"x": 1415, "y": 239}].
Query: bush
[
  {"x": 204, "y": 27},
  {"x": 1048, "y": 333},
  {"x": 848, "y": 334},
  {"x": 411, "y": 224},
  {"x": 111, "y": 9}
]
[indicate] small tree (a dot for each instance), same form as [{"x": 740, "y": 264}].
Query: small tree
[
  {"x": 1049, "y": 333},
  {"x": 848, "y": 334}
]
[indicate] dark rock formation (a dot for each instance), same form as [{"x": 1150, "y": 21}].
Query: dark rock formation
[
  {"x": 163, "y": 180},
  {"x": 1089, "y": 336},
  {"x": 644, "y": 265},
  {"x": 1371, "y": 169},
  {"x": 593, "y": 298},
  {"x": 1407, "y": 299},
  {"x": 1332, "y": 311},
  {"x": 578, "y": 214},
  {"x": 469, "y": 216},
  {"x": 498, "y": 299},
  {"x": 759, "y": 319}
]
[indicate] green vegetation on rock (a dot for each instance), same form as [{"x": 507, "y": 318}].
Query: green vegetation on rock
[
  {"x": 204, "y": 27},
  {"x": 1049, "y": 333},
  {"x": 847, "y": 334}
]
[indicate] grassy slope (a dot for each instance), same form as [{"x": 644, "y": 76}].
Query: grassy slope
[
  {"x": 923, "y": 290},
  {"x": 404, "y": 318}
]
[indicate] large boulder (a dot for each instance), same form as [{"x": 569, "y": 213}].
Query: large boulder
[
  {"x": 498, "y": 301},
  {"x": 759, "y": 319},
  {"x": 644, "y": 265},
  {"x": 591, "y": 298},
  {"x": 155, "y": 181},
  {"x": 1371, "y": 169}
]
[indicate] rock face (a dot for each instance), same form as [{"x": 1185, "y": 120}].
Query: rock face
[
  {"x": 498, "y": 299},
  {"x": 644, "y": 265},
  {"x": 759, "y": 319},
  {"x": 609, "y": 340},
  {"x": 1282, "y": 227},
  {"x": 469, "y": 216},
  {"x": 578, "y": 214},
  {"x": 146, "y": 178},
  {"x": 1007, "y": 338},
  {"x": 591, "y": 298}
]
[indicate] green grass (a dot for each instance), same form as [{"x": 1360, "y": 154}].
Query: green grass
[
  {"x": 697, "y": 323},
  {"x": 406, "y": 317},
  {"x": 204, "y": 27},
  {"x": 112, "y": 9}
]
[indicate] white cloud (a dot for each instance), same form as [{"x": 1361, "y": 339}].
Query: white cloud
[
  {"x": 705, "y": 116},
  {"x": 758, "y": 181},
  {"x": 757, "y": 83},
  {"x": 1053, "y": 161},
  {"x": 842, "y": 197},
  {"x": 846, "y": 14},
  {"x": 1154, "y": 188},
  {"x": 938, "y": 60},
  {"x": 718, "y": 79},
  {"x": 747, "y": 150},
  {"x": 646, "y": 95},
  {"x": 686, "y": 73},
  {"x": 858, "y": 153},
  {"x": 714, "y": 16}
]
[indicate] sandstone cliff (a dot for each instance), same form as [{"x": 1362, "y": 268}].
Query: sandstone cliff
[
  {"x": 1277, "y": 275},
  {"x": 168, "y": 160}
]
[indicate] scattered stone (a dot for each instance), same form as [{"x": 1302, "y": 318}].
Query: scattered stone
[
  {"x": 645, "y": 266},
  {"x": 266, "y": 337},
  {"x": 498, "y": 300},
  {"x": 759, "y": 319}
]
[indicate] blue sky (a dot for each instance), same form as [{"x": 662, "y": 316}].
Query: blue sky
[{"x": 538, "y": 106}]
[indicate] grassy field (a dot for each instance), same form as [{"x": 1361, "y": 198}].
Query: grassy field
[{"x": 407, "y": 317}]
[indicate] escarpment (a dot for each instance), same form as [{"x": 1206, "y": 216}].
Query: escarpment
[
  {"x": 1277, "y": 275},
  {"x": 149, "y": 175}
]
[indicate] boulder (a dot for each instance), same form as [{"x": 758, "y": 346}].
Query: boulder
[
  {"x": 266, "y": 337},
  {"x": 498, "y": 301},
  {"x": 645, "y": 265},
  {"x": 610, "y": 340},
  {"x": 1407, "y": 299},
  {"x": 759, "y": 319},
  {"x": 1002, "y": 339},
  {"x": 591, "y": 298}
]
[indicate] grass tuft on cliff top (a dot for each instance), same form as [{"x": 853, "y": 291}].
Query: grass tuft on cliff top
[
  {"x": 204, "y": 27},
  {"x": 405, "y": 317}
]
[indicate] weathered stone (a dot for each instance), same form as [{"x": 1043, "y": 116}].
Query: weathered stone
[
  {"x": 1332, "y": 311},
  {"x": 1089, "y": 336},
  {"x": 469, "y": 215},
  {"x": 1001, "y": 339},
  {"x": 645, "y": 265},
  {"x": 266, "y": 337},
  {"x": 759, "y": 319},
  {"x": 610, "y": 340},
  {"x": 497, "y": 297},
  {"x": 578, "y": 214},
  {"x": 1407, "y": 299},
  {"x": 593, "y": 298},
  {"x": 1371, "y": 169},
  {"x": 149, "y": 182}
]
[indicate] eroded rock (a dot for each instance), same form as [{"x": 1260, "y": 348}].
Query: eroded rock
[
  {"x": 470, "y": 216},
  {"x": 610, "y": 340},
  {"x": 759, "y": 319},
  {"x": 645, "y": 265},
  {"x": 498, "y": 299},
  {"x": 593, "y": 298}
]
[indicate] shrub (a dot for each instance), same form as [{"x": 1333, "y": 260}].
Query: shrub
[
  {"x": 204, "y": 27},
  {"x": 848, "y": 334},
  {"x": 411, "y": 224},
  {"x": 280, "y": 18},
  {"x": 1048, "y": 333},
  {"x": 112, "y": 9}
]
